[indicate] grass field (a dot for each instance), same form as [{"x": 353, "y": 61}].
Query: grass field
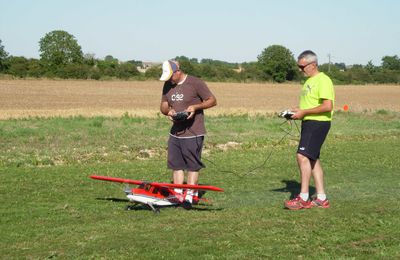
[
  {"x": 54, "y": 134},
  {"x": 51, "y": 209}
]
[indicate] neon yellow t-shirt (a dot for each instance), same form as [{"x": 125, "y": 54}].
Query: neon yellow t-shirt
[{"x": 314, "y": 90}]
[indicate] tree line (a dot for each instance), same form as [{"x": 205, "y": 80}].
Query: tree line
[{"x": 61, "y": 57}]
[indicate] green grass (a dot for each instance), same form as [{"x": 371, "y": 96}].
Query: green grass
[{"x": 51, "y": 209}]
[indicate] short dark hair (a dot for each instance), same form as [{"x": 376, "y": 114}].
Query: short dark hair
[{"x": 310, "y": 56}]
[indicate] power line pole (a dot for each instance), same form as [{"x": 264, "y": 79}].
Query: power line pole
[{"x": 329, "y": 62}]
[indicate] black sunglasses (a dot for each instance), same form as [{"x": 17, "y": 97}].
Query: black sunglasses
[{"x": 302, "y": 67}]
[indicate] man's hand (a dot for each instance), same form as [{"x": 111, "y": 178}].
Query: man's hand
[
  {"x": 191, "y": 110},
  {"x": 209, "y": 102},
  {"x": 171, "y": 112},
  {"x": 298, "y": 113}
]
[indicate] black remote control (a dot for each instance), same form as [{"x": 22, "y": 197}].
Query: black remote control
[
  {"x": 180, "y": 116},
  {"x": 286, "y": 114}
]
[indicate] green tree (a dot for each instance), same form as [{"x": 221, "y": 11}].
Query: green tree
[
  {"x": 108, "y": 66},
  {"x": 340, "y": 66},
  {"x": 3, "y": 57},
  {"x": 359, "y": 75},
  {"x": 137, "y": 63},
  {"x": 89, "y": 59},
  {"x": 370, "y": 67},
  {"x": 94, "y": 73},
  {"x": 127, "y": 70},
  {"x": 58, "y": 49},
  {"x": 277, "y": 62},
  {"x": 186, "y": 65},
  {"x": 336, "y": 73},
  {"x": 17, "y": 66},
  {"x": 384, "y": 76},
  {"x": 207, "y": 71},
  {"x": 153, "y": 72},
  {"x": 35, "y": 68},
  {"x": 110, "y": 58},
  {"x": 251, "y": 72},
  {"x": 194, "y": 61},
  {"x": 74, "y": 71},
  {"x": 391, "y": 62}
]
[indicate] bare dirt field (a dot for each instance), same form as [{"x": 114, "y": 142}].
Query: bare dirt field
[{"x": 47, "y": 98}]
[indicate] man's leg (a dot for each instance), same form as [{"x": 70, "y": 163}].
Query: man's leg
[
  {"x": 304, "y": 164},
  {"x": 178, "y": 176},
  {"x": 302, "y": 201},
  {"x": 318, "y": 174},
  {"x": 193, "y": 178}
]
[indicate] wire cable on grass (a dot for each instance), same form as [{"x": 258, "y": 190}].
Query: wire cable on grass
[{"x": 286, "y": 133}]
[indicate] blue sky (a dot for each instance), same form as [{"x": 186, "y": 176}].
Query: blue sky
[{"x": 351, "y": 31}]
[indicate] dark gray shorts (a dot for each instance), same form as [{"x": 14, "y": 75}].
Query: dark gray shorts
[
  {"x": 313, "y": 134},
  {"x": 185, "y": 153}
]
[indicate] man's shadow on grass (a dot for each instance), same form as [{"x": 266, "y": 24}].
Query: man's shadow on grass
[{"x": 293, "y": 187}]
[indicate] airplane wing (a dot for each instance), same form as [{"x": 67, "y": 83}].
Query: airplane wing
[
  {"x": 106, "y": 178},
  {"x": 186, "y": 186},
  {"x": 158, "y": 184}
]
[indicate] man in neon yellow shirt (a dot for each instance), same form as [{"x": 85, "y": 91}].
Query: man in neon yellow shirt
[{"x": 315, "y": 111}]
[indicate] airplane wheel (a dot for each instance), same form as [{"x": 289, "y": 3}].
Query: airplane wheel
[{"x": 155, "y": 210}]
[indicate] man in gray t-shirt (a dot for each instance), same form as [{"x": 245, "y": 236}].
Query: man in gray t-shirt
[{"x": 185, "y": 93}]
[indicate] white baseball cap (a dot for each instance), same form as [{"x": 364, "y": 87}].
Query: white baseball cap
[{"x": 168, "y": 68}]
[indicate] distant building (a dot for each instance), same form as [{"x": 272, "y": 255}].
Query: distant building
[
  {"x": 146, "y": 65},
  {"x": 239, "y": 70}
]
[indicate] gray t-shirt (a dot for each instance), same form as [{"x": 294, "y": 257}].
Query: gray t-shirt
[{"x": 191, "y": 92}]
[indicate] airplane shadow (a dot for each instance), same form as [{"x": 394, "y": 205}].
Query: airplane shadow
[
  {"x": 114, "y": 199},
  {"x": 293, "y": 187},
  {"x": 129, "y": 206},
  {"x": 138, "y": 207},
  {"x": 195, "y": 208}
]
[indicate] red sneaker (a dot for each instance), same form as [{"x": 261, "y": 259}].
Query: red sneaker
[
  {"x": 317, "y": 203},
  {"x": 297, "y": 203}
]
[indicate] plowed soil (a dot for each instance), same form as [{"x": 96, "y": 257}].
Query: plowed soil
[{"x": 48, "y": 98}]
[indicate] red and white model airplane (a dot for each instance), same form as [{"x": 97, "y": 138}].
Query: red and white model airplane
[{"x": 156, "y": 194}]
